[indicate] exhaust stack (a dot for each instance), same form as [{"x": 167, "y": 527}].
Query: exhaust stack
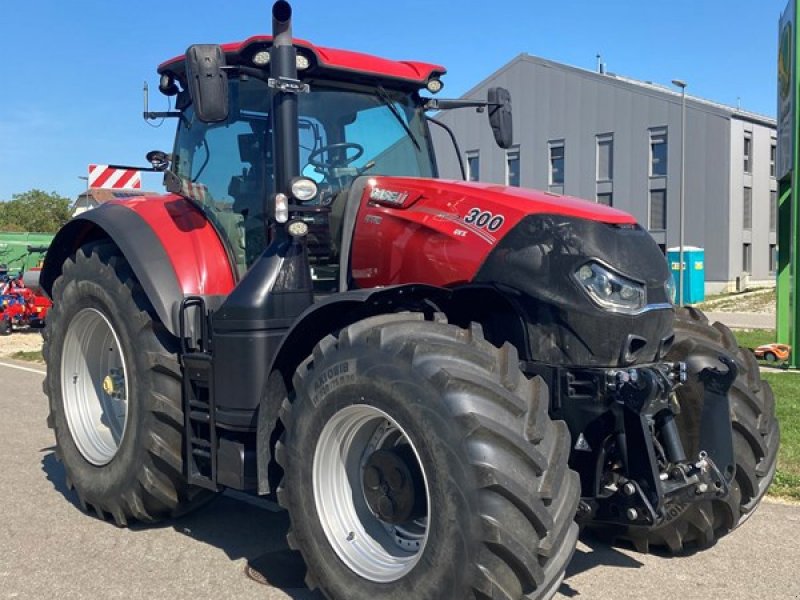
[{"x": 283, "y": 70}]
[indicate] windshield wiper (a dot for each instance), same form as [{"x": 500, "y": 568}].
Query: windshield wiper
[{"x": 390, "y": 105}]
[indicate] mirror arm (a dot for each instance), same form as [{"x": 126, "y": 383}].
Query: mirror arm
[
  {"x": 150, "y": 116},
  {"x": 437, "y": 104}
]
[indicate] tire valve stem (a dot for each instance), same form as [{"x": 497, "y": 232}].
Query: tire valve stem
[{"x": 351, "y": 536}]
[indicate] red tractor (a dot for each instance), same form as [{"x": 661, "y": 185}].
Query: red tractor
[
  {"x": 439, "y": 380},
  {"x": 20, "y": 306}
]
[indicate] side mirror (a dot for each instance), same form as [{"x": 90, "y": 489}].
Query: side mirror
[
  {"x": 499, "y": 100},
  {"x": 159, "y": 160},
  {"x": 207, "y": 82}
]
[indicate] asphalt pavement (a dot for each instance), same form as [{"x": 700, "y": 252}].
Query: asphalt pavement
[
  {"x": 49, "y": 549},
  {"x": 743, "y": 320}
]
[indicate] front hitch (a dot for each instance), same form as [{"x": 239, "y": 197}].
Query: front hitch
[{"x": 654, "y": 477}]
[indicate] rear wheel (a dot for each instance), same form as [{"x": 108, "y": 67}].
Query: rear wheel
[
  {"x": 114, "y": 387},
  {"x": 421, "y": 463},
  {"x": 755, "y": 438},
  {"x": 770, "y": 357}
]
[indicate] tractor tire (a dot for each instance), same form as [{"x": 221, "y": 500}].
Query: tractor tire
[
  {"x": 755, "y": 439},
  {"x": 421, "y": 463},
  {"x": 5, "y": 327},
  {"x": 114, "y": 388}
]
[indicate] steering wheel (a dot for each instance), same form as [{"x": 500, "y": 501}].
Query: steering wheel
[{"x": 314, "y": 162}]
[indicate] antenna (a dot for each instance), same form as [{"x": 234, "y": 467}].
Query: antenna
[{"x": 146, "y": 93}]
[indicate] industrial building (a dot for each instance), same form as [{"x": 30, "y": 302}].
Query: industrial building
[{"x": 617, "y": 141}]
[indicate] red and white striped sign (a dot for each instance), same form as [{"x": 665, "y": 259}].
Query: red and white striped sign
[{"x": 103, "y": 176}]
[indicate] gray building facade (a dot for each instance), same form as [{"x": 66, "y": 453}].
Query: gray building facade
[{"x": 617, "y": 141}]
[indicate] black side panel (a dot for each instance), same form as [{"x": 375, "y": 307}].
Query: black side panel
[
  {"x": 250, "y": 325},
  {"x": 137, "y": 242},
  {"x": 348, "y": 227}
]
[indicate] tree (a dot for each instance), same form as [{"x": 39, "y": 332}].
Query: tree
[{"x": 34, "y": 210}]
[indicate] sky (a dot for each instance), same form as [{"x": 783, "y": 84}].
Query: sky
[{"x": 72, "y": 71}]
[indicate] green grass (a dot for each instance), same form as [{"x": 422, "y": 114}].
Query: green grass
[
  {"x": 751, "y": 338},
  {"x": 29, "y": 355},
  {"x": 787, "y": 405}
]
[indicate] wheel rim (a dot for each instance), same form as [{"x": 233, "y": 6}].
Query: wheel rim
[
  {"x": 94, "y": 386},
  {"x": 372, "y": 547}
]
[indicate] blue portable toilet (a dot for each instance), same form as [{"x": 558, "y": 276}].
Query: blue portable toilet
[{"x": 694, "y": 273}]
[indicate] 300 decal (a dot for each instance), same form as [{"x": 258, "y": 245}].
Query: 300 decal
[{"x": 483, "y": 218}]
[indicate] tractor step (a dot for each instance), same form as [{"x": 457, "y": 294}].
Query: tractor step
[
  {"x": 199, "y": 406},
  {"x": 199, "y": 420}
]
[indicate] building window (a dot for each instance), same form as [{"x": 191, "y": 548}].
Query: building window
[
  {"x": 773, "y": 210},
  {"x": 748, "y": 152},
  {"x": 747, "y": 258},
  {"x": 557, "y": 163},
  {"x": 748, "y": 208},
  {"x": 658, "y": 152},
  {"x": 773, "y": 259},
  {"x": 606, "y": 199},
  {"x": 512, "y": 168},
  {"x": 473, "y": 166},
  {"x": 773, "y": 152},
  {"x": 605, "y": 157},
  {"x": 658, "y": 210}
]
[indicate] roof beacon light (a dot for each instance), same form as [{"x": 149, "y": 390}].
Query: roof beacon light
[
  {"x": 434, "y": 86},
  {"x": 281, "y": 208},
  {"x": 261, "y": 58}
]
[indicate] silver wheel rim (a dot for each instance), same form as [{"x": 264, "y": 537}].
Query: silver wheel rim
[
  {"x": 94, "y": 386},
  {"x": 369, "y": 546}
]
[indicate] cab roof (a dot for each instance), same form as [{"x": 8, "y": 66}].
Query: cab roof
[{"x": 330, "y": 62}]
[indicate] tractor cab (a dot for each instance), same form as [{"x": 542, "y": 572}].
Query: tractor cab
[
  {"x": 356, "y": 116},
  {"x": 345, "y": 131},
  {"x": 351, "y": 116}
]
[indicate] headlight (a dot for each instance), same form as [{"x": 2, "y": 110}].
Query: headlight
[
  {"x": 610, "y": 290},
  {"x": 304, "y": 189}
]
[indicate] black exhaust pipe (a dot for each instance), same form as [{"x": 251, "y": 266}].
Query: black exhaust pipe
[{"x": 283, "y": 67}]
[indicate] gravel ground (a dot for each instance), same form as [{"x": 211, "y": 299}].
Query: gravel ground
[
  {"x": 757, "y": 301},
  {"x": 21, "y": 340}
]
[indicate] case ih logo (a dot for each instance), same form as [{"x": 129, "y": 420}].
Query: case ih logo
[
  {"x": 106, "y": 177},
  {"x": 388, "y": 196}
]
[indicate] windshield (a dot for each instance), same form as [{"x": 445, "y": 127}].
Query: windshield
[{"x": 344, "y": 132}]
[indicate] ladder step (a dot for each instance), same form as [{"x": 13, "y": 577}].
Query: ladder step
[
  {"x": 198, "y": 443},
  {"x": 200, "y": 417},
  {"x": 201, "y": 453}
]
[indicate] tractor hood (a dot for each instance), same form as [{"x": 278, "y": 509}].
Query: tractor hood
[
  {"x": 441, "y": 232},
  {"x": 451, "y": 233}
]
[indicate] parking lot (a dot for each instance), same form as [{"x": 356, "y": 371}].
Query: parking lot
[{"x": 49, "y": 549}]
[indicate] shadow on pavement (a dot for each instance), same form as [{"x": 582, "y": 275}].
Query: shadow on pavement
[
  {"x": 252, "y": 529},
  {"x": 243, "y": 528},
  {"x": 599, "y": 554},
  {"x": 54, "y": 471}
]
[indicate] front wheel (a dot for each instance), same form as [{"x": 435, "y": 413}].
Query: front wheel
[
  {"x": 114, "y": 387},
  {"x": 421, "y": 463}
]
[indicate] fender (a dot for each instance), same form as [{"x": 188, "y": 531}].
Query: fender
[
  {"x": 495, "y": 309},
  {"x": 171, "y": 246}
]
